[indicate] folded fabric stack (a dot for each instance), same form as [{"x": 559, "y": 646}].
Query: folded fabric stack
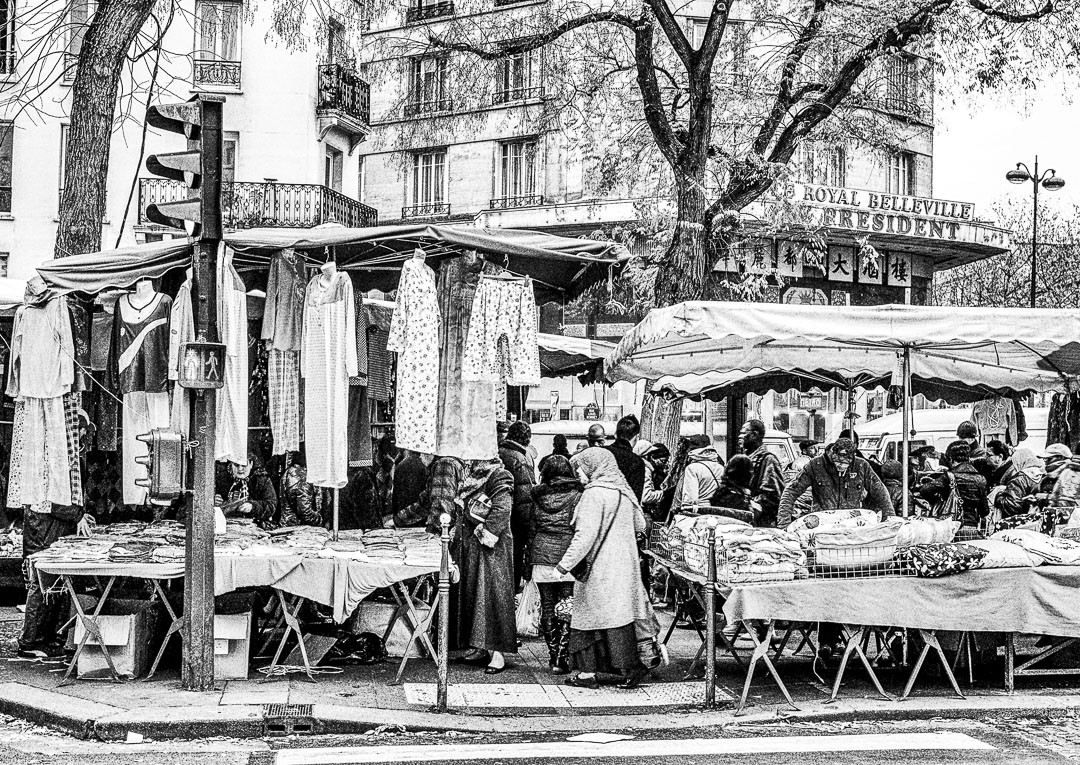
[
  {"x": 745, "y": 555},
  {"x": 304, "y": 539},
  {"x": 427, "y": 554},
  {"x": 831, "y": 520},
  {"x": 132, "y": 551},
  {"x": 942, "y": 559},
  {"x": 265, "y": 550},
  {"x": 168, "y": 554},
  {"x": 926, "y": 531},
  {"x": 696, "y": 542},
  {"x": 864, "y": 545},
  {"x": 76, "y": 550},
  {"x": 1053, "y": 551}
]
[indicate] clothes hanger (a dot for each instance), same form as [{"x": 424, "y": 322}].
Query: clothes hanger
[
  {"x": 419, "y": 254},
  {"x": 329, "y": 267}
]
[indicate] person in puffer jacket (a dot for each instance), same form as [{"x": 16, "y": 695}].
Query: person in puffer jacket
[
  {"x": 1020, "y": 480},
  {"x": 554, "y": 499},
  {"x": 839, "y": 480},
  {"x": 701, "y": 479},
  {"x": 970, "y": 486},
  {"x": 1063, "y": 471}
]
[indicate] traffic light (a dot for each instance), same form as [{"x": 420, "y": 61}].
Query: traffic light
[
  {"x": 164, "y": 465},
  {"x": 199, "y": 168}
]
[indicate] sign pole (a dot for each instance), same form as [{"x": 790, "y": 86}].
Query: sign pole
[{"x": 198, "y": 663}]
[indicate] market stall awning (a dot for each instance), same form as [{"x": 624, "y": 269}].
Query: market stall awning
[
  {"x": 1000, "y": 349},
  {"x": 562, "y": 356},
  {"x": 11, "y": 293},
  {"x": 559, "y": 266}
]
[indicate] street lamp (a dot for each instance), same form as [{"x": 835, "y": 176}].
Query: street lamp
[{"x": 1050, "y": 181}]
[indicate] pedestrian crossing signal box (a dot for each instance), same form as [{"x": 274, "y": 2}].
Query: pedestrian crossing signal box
[
  {"x": 164, "y": 465},
  {"x": 202, "y": 365}
]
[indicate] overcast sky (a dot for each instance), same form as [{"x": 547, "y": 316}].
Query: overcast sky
[{"x": 976, "y": 143}]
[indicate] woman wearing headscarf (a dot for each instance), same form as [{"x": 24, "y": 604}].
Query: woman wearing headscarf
[
  {"x": 555, "y": 498},
  {"x": 486, "y": 620},
  {"x": 611, "y": 609},
  {"x": 1021, "y": 478}
]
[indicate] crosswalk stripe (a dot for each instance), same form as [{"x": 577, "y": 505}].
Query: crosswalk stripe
[{"x": 636, "y": 749}]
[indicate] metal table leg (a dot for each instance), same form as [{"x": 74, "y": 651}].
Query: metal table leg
[
  {"x": 292, "y": 624},
  {"x": 761, "y": 653},
  {"x": 421, "y": 628},
  {"x": 930, "y": 641},
  {"x": 91, "y": 629},
  {"x": 175, "y": 627},
  {"x": 853, "y": 644}
]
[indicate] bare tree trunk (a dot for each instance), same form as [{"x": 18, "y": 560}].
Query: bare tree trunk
[
  {"x": 107, "y": 43},
  {"x": 682, "y": 275}
]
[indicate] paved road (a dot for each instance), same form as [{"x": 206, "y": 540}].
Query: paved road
[{"x": 1024, "y": 742}]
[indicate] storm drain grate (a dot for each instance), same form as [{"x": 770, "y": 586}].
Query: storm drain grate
[{"x": 287, "y": 719}]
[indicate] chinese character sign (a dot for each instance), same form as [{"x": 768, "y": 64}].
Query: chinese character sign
[
  {"x": 899, "y": 269},
  {"x": 841, "y": 264}
]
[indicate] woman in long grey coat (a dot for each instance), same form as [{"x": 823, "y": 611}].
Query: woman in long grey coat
[{"x": 610, "y": 606}]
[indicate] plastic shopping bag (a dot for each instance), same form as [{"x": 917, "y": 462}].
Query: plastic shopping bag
[{"x": 528, "y": 612}]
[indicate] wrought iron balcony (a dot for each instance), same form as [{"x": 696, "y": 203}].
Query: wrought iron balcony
[
  {"x": 431, "y": 210},
  {"x": 272, "y": 205},
  {"x": 216, "y": 74},
  {"x": 517, "y": 94},
  {"x": 420, "y": 11},
  {"x": 522, "y": 200},
  {"x": 342, "y": 90},
  {"x": 415, "y": 108},
  {"x": 907, "y": 106}
]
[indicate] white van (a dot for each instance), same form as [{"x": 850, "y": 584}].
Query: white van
[{"x": 934, "y": 427}]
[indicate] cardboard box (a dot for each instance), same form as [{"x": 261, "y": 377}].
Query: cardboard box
[
  {"x": 232, "y": 643},
  {"x": 126, "y": 631}
]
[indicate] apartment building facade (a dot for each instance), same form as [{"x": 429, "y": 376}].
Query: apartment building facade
[{"x": 295, "y": 112}]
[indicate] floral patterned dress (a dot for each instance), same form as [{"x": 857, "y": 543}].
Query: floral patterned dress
[{"x": 414, "y": 334}]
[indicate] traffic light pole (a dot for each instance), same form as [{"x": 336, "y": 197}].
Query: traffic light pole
[{"x": 198, "y": 661}]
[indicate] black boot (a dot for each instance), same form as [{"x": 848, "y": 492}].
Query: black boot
[
  {"x": 561, "y": 659},
  {"x": 549, "y": 629}
]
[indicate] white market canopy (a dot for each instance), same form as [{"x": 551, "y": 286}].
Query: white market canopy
[{"x": 695, "y": 345}]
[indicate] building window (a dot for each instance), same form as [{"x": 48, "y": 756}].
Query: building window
[
  {"x": 7, "y": 140},
  {"x": 79, "y": 14},
  {"x": 334, "y": 162},
  {"x": 428, "y": 86},
  {"x": 901, "y": 91},
  {"x": 425, "y": 10},
  {"x": 5, "y": 257},
  {"x": 733, "y": 50},
  {"x": 230, "y": 140},
  {"x": 65, "y": 131},
  {"x": 518, "y": 78},
  {"x": 337, "y": 45},
  {"x": 516, "y": 180},
  {"x": 695, "y": 32},
  {"x": 7, "y": 37},
  {"x": 217, "y": 45},
  {"x": 823, "y": 165},
  {"x": 901, "y": 178},
  {"x": 361, "y": 179},
  {"x": 428, "y": 185}
]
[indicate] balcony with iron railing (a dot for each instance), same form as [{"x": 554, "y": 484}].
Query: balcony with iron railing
[
  {"x": 418, "y": 107},
  {"x": 214, "y": 74},
  {"x": 342, "y": 90},
  {"x": 510, "y": 95},
  {"x": 429, "y": 210},
  {"x": 419, "y": 11},
  {"x": 521, "y": 200},
  {"x": 270, "y": 204}
]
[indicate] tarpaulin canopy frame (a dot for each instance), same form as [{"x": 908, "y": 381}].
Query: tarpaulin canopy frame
[
  {"x": 964, "y": 345},
  {"x": 559, "y": 266}
]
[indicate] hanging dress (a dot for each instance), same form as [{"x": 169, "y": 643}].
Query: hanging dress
[
  {"x": 328, "y": 360},
  {"x": 181, "y": 330},
  {"x": 282, "y": 329},
  {"x": 138, "y": 369},
  {"x": 232, "y": 399},
  {"x": 414, "y": 334}
]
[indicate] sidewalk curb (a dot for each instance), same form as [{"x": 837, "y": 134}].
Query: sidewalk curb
[{"x": 88, "y": 719}]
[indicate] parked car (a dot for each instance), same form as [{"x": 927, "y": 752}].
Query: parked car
[{"x": 934, "y": 427}]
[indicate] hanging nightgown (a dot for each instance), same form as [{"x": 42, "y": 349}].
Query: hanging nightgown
[
  {"x": 181, "y": 330},
  {"x": 414, "y": 334},
  {"x": 328, "y": 360},
  {"x": 138, "y": 370},
  {"x": 232, "y": 399},
  {"x": 282, "y": 328}
]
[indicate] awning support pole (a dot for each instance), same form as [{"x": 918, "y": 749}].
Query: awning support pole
[{"x": 904, "y": 459}]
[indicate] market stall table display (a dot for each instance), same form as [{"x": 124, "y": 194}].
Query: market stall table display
[{"x": 300, "y": 563}]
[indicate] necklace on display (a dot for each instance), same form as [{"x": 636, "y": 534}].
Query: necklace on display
[{"x": 139, "y": 311}]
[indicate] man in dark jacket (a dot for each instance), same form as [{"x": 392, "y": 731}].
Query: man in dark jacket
[
  {"x": 970, "y": 487},
  {"x": 767, "y": 479},
  {"x": 515, "y": 458},
  {"x": 839, "y": 480},
  {"x": 630, "y": 465},
  {"x": 410, "y": 478}
]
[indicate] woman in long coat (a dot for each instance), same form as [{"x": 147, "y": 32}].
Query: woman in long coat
[
  {"x": 610, "y": 606},
  {"x": 486, "y": 619}
]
